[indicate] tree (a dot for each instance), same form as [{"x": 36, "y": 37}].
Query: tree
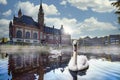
[
  {"x": 117, "y": 5},
  {"x": 4, "y": 40}
]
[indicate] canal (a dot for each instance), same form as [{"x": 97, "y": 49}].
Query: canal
[{"x": 33, "y": 67}]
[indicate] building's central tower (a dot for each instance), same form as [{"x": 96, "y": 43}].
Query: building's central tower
[{"x": 41, "y": 16}]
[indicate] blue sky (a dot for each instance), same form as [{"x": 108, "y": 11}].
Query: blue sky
[{"x": 80, "y": 18}]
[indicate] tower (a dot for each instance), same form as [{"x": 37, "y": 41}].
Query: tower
[
  {"x": 62, "y": 30},
  {"x": 10, "y": 30},
  {"x": 41, "y": 16},
  {"x": 19, "y": 13}
]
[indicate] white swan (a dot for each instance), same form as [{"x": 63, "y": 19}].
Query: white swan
[{"x": 76, "y": 62}]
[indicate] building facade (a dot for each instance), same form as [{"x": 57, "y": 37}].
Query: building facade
[
  {"x": 87, "y": 41},
  {"x": 106, "y": 40},
  {"x": 25, "y": 30},
  {"x": 113, "y": 39}
]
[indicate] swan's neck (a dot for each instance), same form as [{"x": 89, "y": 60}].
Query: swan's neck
[{"x": 75, "y": 57}]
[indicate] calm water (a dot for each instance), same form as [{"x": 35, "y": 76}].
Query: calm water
[
  {"x": 98, "y": 70},
  {"x": 4, "y": 70}
]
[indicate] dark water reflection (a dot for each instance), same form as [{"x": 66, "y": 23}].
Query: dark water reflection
[{"x": 23, "y": 66}]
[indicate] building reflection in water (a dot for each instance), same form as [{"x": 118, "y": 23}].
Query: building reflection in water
[{"x": 24, "y": 66}]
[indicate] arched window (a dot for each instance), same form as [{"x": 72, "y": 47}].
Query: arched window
[
  {"x": 35, "y": 36},
  {"x": 27, "y": 35},
  {"x": 19, "y": 34},
  {"x": 18, "y": 61}
]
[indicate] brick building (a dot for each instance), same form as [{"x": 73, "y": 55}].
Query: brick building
[{"x": 23, "y": 29}]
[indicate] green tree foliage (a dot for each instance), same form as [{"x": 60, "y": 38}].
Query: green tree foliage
[{"x": 117, "y": 5}]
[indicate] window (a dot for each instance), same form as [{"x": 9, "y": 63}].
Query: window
[
  {"x": 35, "y": 36},
  {"x": 18, "y": 61},
  {"x": 27, "y": 60},
  {"x": 51, "y": 37},
  {"x": 47, "y": 37},
  {"x": 41, "y": 35},
  {"x": 27, "y": 35},
  {"x": 35, "y": 61},
  {"x": 44, "y": 36},
  {"x": 19, "y": 34}
]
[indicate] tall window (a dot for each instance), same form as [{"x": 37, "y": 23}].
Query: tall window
[
  {"x": 44, "y": 36},
  {"x": 27, "y": 35},
  {"x": 35, "y": 60},
  {"x": 19, "y": 34},
  {"x": 35, "y": 36},
  {"x": 41, "y": 35},
  {"x": 18, "y": 61}
]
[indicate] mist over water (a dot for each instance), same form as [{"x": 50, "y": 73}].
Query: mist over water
[
  {"x": 100, "y": 49},
  {"x": 23, "y": 49}
]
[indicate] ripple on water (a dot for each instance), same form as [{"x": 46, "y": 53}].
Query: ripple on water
[
  {"x": 104, "y": 70},
  {"x": 4, "y": 69}
]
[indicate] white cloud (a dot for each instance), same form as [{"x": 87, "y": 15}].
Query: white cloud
[
  {"x": 95, "y": 5},
  {"x": 91, "y": 26},
  {"x": 69, "y": 24},
  {"x": 50, "y": 9},
  {"x": 30, "y": 9},
  {"x": 4, "y": 27},
  {"x": 63, "y": 2},
  {"x": 7, "y": 13},
  {"x": 4, "y": 2}
]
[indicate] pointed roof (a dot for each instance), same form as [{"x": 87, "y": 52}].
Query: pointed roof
[
  {"x": 41, "y": 8},
  {"x": 26, "y": 20},
  {"x": 20, "y": 12}
]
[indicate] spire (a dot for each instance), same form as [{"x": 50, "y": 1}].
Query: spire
[
  {"x": 10, "y": 24},
  {"x": 41, "y": 8},
  {"x": 62, "y": 29},
  {"x": 41, "y": 15},
  {"x": 19, "y": 13},
  {"x": 61, "y": 26},
  {"x": 53, "y": 29}
]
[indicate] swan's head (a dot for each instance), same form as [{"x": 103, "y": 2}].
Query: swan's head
[
  {"x": 75, "y": 42},
  {"x": 75, "y": 45}
]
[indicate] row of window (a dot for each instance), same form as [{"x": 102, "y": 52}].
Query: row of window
[
  {"x": 27, "y": 60},
  {"x": 27, "y": 35},
  {"x": 35, "y": 36}
]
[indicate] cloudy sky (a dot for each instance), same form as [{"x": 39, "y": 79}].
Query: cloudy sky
[{"x": 80, "y": 18}]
